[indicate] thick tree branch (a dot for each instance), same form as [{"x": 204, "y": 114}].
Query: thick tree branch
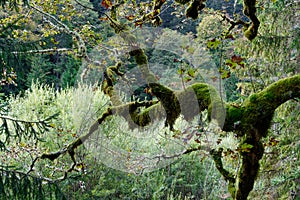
[{"x": 257, "y": 112}]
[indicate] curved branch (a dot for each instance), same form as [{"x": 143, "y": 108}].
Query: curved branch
[
  {"x": 250, "y": 31},
  {"x": 257, "y": 113},
  {"x": 70, "y": 149},
  {"x": 259, "y": 108}
]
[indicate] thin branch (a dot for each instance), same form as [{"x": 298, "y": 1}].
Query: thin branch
[
  {"x": 22, "y": 121},
  {"x": 90, "y": 8},
  {"x": 80, "y": 43},
  {"x": 70, "y": 149},
  {"x": 233, "y": 23},
  {"x": 43, "y": 51}
]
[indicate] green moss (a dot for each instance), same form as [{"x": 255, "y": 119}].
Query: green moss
[
  {"x": 253, "y": 98},
  {"x": 208, "y": 98},
  {"x": 169, "y": 101},
  {"x": 251, "y": 32},
  {"x": 233, "y": 116},
  {"x": 231, "y": 189},
  {"x": 203, "y": 94},
  {"x": 259, "y": 108},
  {"x": 139, "y": 56},
  {"x": 269, "y": 96}
]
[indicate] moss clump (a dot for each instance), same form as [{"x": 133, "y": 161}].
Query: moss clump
[
  {"x": 233, "y": 116},
  {"x": 208, "y": 95},
  {"x": 198, "y": 97},
  {"x": 169, "y": 101},
  {"x": 203, "y": 94},
  {"x": 253, "y": 98},
  {"x": 188, "y": 103},
  {"x": 139, "y": 56},
  {"x": 251, "y": 32}
]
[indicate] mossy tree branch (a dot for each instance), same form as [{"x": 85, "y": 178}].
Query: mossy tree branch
[
  {"x": 251, "y": 122},
  {"x": 217, "y": 157},
  {"x": 258, "y": 111},
  {"x": 250, "y": 31}
]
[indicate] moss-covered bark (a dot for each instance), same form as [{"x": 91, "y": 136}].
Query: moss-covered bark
[
  {"x": 251, "y": 30},
  {"x": 258, "y": 111},
  {"x": 251, "y": 122}
]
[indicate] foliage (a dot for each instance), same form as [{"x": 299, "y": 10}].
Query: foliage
[{"x": 47, "y": 38}]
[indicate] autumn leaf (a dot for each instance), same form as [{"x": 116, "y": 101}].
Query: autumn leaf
[
  {"x": 130, "y": 17},
  {"x": 103, "y": 18},
  {"x": 138, "y": 23},
  {"x": 106, "y": 3},
  {"x": 224, "y": 73},
  {"x": 187, "y": 79},
  {"x": 231, "y": 64},
  {"x": 237, "y": 59},
  {"x": 198, "y": 141}
]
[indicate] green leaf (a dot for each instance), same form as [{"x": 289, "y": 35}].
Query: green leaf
[
  {"x": 191, "y": 72},
  {"x": 180, "y": 71},
  {"x": 213, "y": 44}
]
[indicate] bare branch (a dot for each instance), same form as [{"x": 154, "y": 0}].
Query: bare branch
[
  {"x": 43, "y": 51},
  {"x": 81, "y": 48}
]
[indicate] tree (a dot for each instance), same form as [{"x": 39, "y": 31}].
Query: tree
[{"x": 249, "y": 120}]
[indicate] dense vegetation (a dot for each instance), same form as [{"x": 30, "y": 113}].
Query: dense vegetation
[{"x": 182, "y": 99}]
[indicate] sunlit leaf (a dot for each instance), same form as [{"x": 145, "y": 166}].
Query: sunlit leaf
[
  {"x": 187, "y": 79},
  {"x": 180, "y": 71},
  {"x": 130, "y": 17},
  {"x": 213, "y": 44},
  {"x": 191, "y": 73},
  {"x": 138, "y": 23}
]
